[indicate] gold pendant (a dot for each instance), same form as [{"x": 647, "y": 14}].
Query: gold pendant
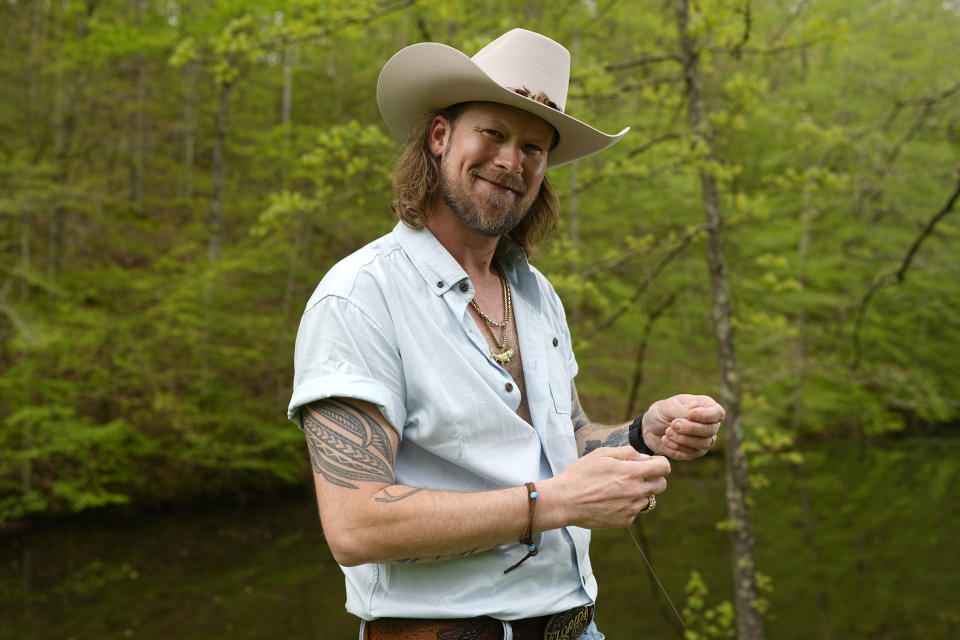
[{"x": 503, "y": 357}]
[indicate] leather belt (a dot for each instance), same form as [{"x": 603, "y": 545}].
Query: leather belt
[{"x": 565, "y": 625}]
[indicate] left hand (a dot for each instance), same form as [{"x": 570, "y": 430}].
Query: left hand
[{"x": 682, "y": 427}]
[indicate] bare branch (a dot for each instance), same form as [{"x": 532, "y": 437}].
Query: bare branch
[
  {"x": 769, "y": 51},
  {"x": 737, "y": 50},
  {"x": 900, "y": 103},
  {"x": 898, "y": 145},
  {"x": 898, "y": 276},
  {"x": 874, "y": 190},
  {"x": 642, "y": 352},
  {"x": 793, "y": 15},
  {"x": 642, "y": 61},
  {"x": 344, "y": 23},
  {"x": 613, "y": 263},
  {"x": 625, "y": 306},
  {"x": 652, "y": 82},
  {"x": 624, "y": 88},
  {"x": 934, "y": 98},
  {"x": 646, "y": 146}
]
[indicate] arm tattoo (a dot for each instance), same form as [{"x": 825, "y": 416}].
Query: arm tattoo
[
  {"x": 346, "y": 444},
  {"x": 579, "y": 418},
  {"x": 583, "y": 429},
  {"x": 389, "y": 497},
  {"x": 617, "y": 438}
]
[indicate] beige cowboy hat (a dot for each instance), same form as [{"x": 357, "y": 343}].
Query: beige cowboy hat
[{"x": 429, "y": 76}]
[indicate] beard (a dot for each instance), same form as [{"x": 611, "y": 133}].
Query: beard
[{"x": 505, "y": 210}]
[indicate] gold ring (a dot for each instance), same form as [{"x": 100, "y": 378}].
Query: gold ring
[{"x": 651, "y": 505}]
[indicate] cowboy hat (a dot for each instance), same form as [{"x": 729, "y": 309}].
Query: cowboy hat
[{"x": 430, "y": 76}]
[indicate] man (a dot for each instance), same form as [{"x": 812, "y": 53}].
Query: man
[{"x": 457, "y": 476}]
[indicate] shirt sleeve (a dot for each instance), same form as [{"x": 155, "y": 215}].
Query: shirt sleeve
[{"x": 342, "y": 351}]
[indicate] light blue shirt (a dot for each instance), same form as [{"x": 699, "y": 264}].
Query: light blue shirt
[{"x": 389, "y": 325}]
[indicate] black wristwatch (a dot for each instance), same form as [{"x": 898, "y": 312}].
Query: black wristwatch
[{"x": 636, "y": 437}]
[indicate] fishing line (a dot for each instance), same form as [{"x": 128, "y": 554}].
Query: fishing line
[{"x": 654, "y": 574}]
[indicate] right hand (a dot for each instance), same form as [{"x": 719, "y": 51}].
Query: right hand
[{"x": 608, "y": 487}]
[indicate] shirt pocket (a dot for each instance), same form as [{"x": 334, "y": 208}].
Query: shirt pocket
[
  {"x": 559, "y": 379},
  {"x": 560, "y": 390}
]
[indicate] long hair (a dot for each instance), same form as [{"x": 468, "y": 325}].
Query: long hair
[{"x": 416, "y": 180}]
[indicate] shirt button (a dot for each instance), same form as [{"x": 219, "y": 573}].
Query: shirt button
[
  {"x": 464, "y": 286},
  {"x": 555, "y": 342},
  {"x": 440, "y": 284},
  {"x": 508, "y": 387}
]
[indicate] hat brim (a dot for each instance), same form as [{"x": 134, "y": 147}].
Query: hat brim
[{"x": 430, "y": 76}]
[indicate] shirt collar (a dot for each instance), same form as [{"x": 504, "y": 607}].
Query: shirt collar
[{"x": 441, "y": 271}]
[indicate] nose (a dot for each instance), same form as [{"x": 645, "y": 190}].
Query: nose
[{"x": 509, "y": 158}]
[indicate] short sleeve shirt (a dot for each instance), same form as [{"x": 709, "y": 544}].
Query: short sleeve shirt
[{"x": 389, "y": 325}]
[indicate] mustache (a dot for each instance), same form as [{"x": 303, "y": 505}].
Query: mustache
[{"x": 502, "y": 179}]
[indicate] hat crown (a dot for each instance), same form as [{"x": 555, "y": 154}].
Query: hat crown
[{"x": 521, "y": 59}]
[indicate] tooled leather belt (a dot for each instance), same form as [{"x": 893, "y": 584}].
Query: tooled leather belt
[{"x": 566, "y": 625}]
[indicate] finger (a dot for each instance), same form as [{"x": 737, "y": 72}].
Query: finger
[
  {"x": 688, "y": 449},
  {"x": 680, "y": 452},
  {"x": 655, "y": 486},
  {"x": 694, "y": 442},
  {"x": 692, "y": 428},
  {"x": 626, "y": 452},
  {"x": 706, "y": 412},
  {"x": 655, "y": 466}
]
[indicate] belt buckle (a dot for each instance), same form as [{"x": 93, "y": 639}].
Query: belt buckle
[{"x": 567, "y": 625}]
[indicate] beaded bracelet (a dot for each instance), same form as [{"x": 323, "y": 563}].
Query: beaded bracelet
[{"x": 527, "y": 537}]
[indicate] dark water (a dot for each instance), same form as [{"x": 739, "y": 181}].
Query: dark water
[{"x": 858, "y": 543}]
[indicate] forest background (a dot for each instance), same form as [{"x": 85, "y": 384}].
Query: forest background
[{"x": 176, "y": 177}]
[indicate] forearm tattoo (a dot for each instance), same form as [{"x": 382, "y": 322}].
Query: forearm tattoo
[
  {"x": 579, "y": 418},
  {"x": 389, "y": 497},
  {"x": 348, "y": 445},
  {"x": 617, "y": 438},
  {"x": 583, "y": 428}
]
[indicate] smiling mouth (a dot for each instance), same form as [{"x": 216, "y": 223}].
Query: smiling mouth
[{"x": 499, "y": 187}]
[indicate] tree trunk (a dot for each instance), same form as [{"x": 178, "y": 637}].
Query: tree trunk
[
  {"x": 219, "y": 175},
  {"x": 286, "y": 107},
  {"x": 573, "y": 207},
  {"x": 61, "y": 122},
  {"x": 139, "y": 120},
  {"x": 749, "y": 618},
  {"x": 286, "y": 103},
  {"x": 185, "y": 182},
  {"x": 301, "y": 223}
]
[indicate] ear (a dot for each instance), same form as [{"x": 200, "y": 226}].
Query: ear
[{"x": 439, "y": 135}]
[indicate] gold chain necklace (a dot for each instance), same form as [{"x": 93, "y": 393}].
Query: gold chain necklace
[{"x": 505, "y": 353}]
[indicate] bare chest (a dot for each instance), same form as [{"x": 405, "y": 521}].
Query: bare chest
[{"x": 504, "y": 346}]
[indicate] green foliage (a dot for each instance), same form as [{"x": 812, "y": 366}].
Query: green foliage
[
  {"x": 134, "y": 368},
  {"x": 714, "y": 623},
  {"x": 703, "y": 622}
]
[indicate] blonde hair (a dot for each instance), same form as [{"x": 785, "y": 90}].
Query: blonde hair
[{"x": 416, "y": 180}]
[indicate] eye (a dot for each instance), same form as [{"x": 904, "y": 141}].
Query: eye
[
  {"x": 533, "y": 148},
  {"x": 493, "y": 133}
]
